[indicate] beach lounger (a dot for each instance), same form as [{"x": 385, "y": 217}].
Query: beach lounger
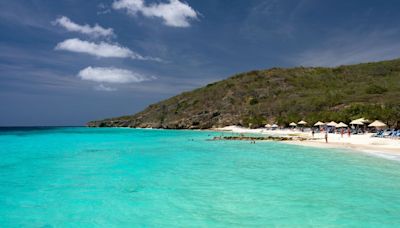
[{"x": 378, "y": 134}]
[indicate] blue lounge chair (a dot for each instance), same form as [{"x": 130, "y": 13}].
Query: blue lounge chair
[{"x": 379, "y": 134}]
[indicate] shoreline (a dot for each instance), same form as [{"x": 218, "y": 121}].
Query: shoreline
[
  {"x": 389, "y": 153},
  {"x": 382, "y": 147}
]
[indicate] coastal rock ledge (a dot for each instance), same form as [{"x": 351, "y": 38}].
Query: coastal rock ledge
[{"x": 204, "y": 120}]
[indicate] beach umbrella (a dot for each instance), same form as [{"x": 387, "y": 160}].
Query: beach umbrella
[
  {"x": 292, "y": 124},
  {"x": 268, "y": 125},
  {"x": 377, "y": 124},
  {"x": 274, "y": 126},
  {"x": 332, "y": 124},
  {"x": 356, "y": 122},
  {"x": 363, "y": 120},
  {"x": 319, "y": 123},
  {"x": 302, "y": 122},
  {"x": 341, "y": 124}
]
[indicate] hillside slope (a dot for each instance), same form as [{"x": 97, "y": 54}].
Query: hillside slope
[{"x": 371, "y": 90}]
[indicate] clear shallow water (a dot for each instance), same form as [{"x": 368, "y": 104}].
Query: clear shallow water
[{"x": 69, "y": 177}]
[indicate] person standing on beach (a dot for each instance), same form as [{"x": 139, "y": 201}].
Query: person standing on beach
[
  {"x": 341, "y": 132},
  {"x": 326, "y": 136},
  {"x": 313, "y": 132},
  {"x": 348, "y": 132}
]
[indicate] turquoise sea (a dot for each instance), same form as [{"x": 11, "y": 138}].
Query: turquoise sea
[{"x": 80, "y": 177}]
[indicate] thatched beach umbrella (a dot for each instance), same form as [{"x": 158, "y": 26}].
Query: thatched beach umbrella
[
  {"x": 356, "y": 122},
  {"x": 268, "y": 125},
  {"x": 363, "y": 120},
  {"x": 377, "y": 124},
  {"x": 274, "y": 126},
  {"x": 332, "y": 124},
  {"x": 319, "y": 123},
  {"x": 292, "y": 124},
  {"x": 302, "y": 122},
  {"x": 341, "y": 125}
]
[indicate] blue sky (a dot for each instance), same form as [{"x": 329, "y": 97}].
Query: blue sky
[{"x": 67, "y": 62}]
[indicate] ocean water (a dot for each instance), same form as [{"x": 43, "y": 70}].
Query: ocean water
[{"x": 80, "y": 177}]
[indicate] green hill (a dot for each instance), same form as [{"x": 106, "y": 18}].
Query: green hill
[{"x": 370, "y": 90}]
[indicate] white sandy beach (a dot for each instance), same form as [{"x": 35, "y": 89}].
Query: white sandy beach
[{"x": 386, "y": 147}]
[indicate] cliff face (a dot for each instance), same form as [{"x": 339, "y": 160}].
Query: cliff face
[{"x": 278, "y": 95}]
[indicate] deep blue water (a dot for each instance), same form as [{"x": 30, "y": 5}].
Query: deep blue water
[{"x": 81, "y": 177}]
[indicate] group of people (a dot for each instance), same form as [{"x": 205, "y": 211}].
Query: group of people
[{"x": 343, "y": 131}]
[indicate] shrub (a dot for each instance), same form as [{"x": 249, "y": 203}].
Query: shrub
[{"x": 375, "y": 89}]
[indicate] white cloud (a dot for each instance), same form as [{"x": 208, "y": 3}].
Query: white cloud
[
  {"x": 174, "y": 13},
  {"x": 111, "y": 75},
  {"x": 95, "y": 31},
  {"x": 102, "y": 87},
  {"x": 102, "y": 9},
  {"x": 102, "y": 49}
]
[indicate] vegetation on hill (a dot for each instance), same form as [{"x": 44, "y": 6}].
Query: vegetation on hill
[{"x": 252, "y": 99}]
